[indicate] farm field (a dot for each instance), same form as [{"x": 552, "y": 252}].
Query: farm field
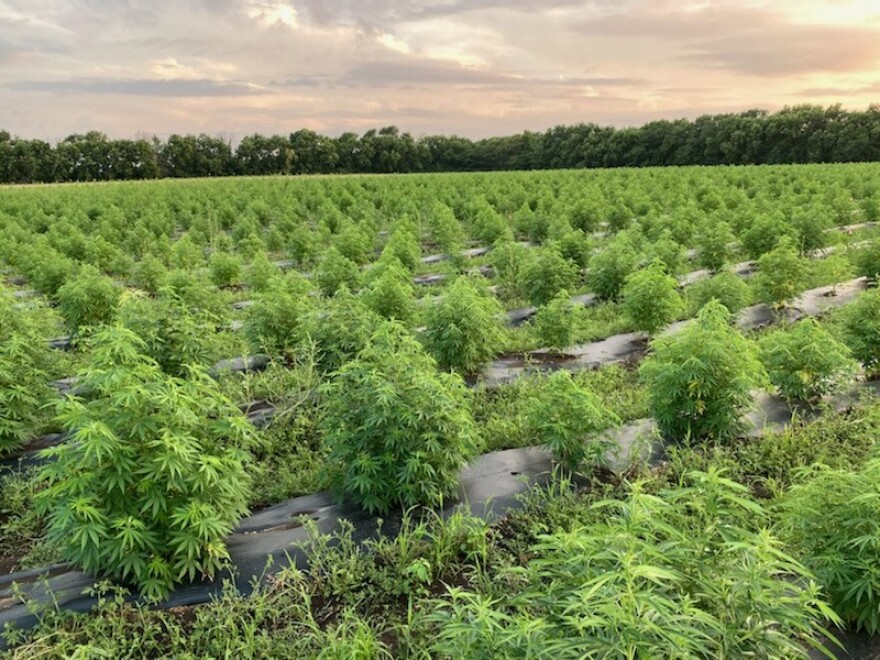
[{"x": 621, "y": 413}]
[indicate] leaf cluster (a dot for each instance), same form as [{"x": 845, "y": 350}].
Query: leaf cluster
[
  {"x": 832, "y": 520},
  {"x": 25, "y": 361},
  {"x": 684, "y": 573}
]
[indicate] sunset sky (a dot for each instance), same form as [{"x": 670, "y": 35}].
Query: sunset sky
[{"x": 471, "y": 67}]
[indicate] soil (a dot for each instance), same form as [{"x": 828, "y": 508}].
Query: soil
[
  {"x": 856, "y": 645},
  {"x": 297, "y": 521},
  {"x": 43, "y": 442},
  {"x": 549, "y": 357},
  {"x": 9, "y": 561},
  {"x": 256, "y": 406}
]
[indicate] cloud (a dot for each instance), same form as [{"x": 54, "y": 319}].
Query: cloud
[
  {"x": 421, "y": 72},
  {"x": 273, "y": 14},
  {"x": 837, "y": 92},
  {"x": 374, "y": 14},
  {"x": 741, "y": 39},
  {"x": 417, "y": 72},
  {"x": 475, "y": 67},
  {"x": 393, "y": 43},
  {"x": 146, "y": 87}
]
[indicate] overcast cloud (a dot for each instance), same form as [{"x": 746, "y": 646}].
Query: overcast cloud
[{"x": 472, "y": 67}]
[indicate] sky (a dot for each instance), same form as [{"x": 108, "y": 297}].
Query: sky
[{"x": 477, "y": 68}]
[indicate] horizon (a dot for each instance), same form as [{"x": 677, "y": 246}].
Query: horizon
[{"x": 477, "y": 68}]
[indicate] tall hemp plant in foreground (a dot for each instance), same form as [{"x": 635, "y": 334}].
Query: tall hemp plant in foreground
[
  {"x": 700, "y": 379},
  {"x": 556, "y": 322},
  {"x": 24, "y": 362},
  {"x": 397, "y": 431},
  {"x": 832, "y": 520},
  {"x": 153, "y": 478},
  {"x": 683, "y": 573}
]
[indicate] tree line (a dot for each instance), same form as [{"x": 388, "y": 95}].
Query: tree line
[{"x": 801, "y": 134}]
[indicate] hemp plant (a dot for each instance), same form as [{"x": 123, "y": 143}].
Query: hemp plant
[
  {"x": 806, "y": 362},
  {"x": 700, "y": 379},
  {"x": 568, "y": 419},
  {"x": 25, "y": 358},
  {"x": 651, "y": 299},
  {"x": 396, "y": 430},
  {"x": 153, "y": 478},
  {"x": 464, "y": 328}
]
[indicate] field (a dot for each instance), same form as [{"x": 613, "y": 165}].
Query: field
[{"x": 624, "y": 413}]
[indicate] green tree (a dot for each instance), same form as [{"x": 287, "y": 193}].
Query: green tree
[
  {"x": 396, "y": 431},
  {"x": 463, "y": 329},
  {"x": 651, "y": 299},
  {"x": 259, "y": 155},
  {"x": 700, "y": 379},
  {"x": 154, "y": 478},
  {"x": 567, "y": 418},
  {"x": 806, "y": 362}
]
